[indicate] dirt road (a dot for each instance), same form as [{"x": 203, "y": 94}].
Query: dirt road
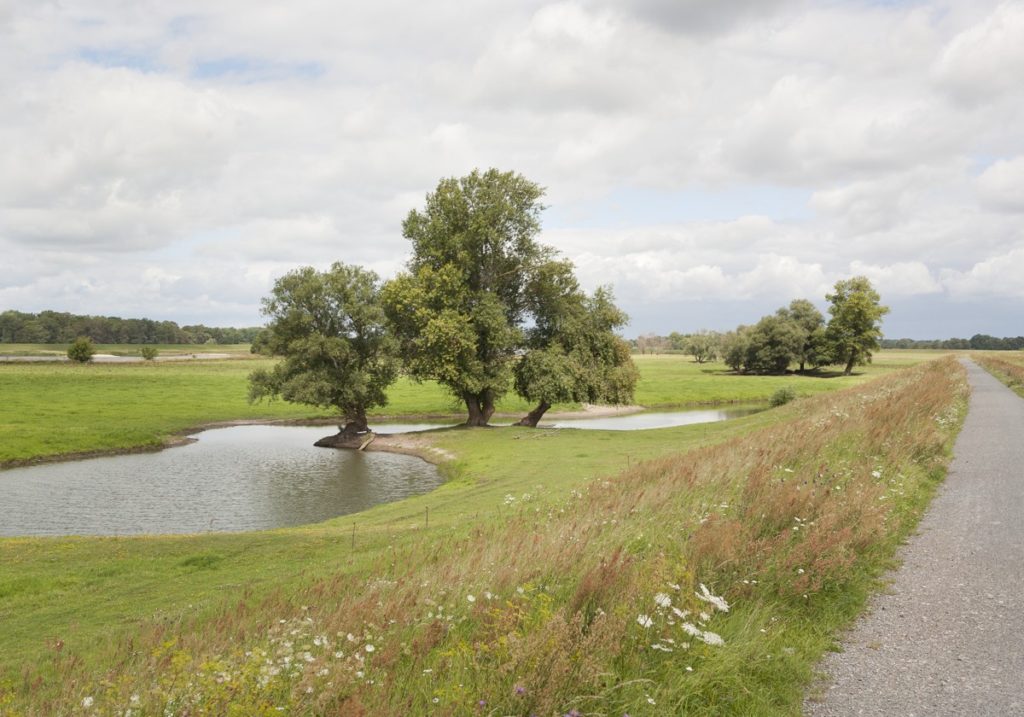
[{"x": 948, "y": 639}]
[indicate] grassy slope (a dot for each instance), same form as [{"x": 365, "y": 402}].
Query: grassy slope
[{"x": 86, "y": 592}]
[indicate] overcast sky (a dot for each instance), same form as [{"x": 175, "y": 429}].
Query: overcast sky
[{"x": 711, "y": 159}]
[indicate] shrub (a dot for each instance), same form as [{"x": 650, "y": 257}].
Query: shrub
[
  {"x": 149, "y": 352},
  {"x": 782, "y": 396},
  {"x": 82, "y": 350}
]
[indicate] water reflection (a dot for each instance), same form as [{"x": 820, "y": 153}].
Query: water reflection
[{"x": 656, "y": 419}]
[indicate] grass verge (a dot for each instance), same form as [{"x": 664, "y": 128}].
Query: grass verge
[
  {"x": 1008, "y": 367},
  {"x": 705, "y": 582}
]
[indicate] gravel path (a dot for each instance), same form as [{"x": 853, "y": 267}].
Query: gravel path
[{"x": 949, "y": 637}]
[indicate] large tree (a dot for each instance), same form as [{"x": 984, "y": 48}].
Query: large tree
[
  {"x": 853, "y": 331},
  {"x": 329, "y": 329},
  {"x": 812, "y": 325},
  {"x": 573, "y": 352},
  {"x": 473, "y": 285}
]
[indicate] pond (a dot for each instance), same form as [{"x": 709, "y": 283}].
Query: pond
[
  {"x": 245, "y": 478},
  {"x": 654, "y": 419},
  {"x": 230, "y": 479}
]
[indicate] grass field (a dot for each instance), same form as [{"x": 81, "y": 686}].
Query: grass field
[
  {"x": 764, "y": 510},
  {"x": 238, "y": 350},
  {"x": 60, "y": 409}
]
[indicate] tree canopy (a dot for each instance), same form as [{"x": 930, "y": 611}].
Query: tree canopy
[
  {"x": 574, "y": 354},
  {"x": 854, "y": 330},
  {"x": 329, "y": 327},
  {"x": 476, "y": 281}
]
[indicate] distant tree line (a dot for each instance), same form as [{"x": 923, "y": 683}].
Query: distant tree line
[
  {"x": 54, "y": 327},
  {"x": 978, "y": 342},
  {"x": 795, "y": 335}
]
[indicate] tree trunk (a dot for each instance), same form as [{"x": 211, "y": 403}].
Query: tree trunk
[
  {"x": 355, "y": 423},
  {"x": 480, "y": 407},
  {"x": 849, "y": 364},
  {"x": 531, "y": 419},
  {"x": 802, "y": 362}
]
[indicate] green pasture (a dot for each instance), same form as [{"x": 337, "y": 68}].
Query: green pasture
[
  {"x": 239, "y": 350},
  {"x": 51, "y": 409}
]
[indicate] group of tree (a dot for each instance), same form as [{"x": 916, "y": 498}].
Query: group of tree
[
  {"x": 798, "y": 335},
  {"x": 978, "y": 342},
  {"x": 55, "y": 327},
  {"x": 482, "y": 308}
]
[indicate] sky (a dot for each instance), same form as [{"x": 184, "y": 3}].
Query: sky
[{"x": 710, "y": 160}]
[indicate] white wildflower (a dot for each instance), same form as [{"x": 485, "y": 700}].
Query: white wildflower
[
  {"x": 681, "y": 614},
  {"x": 715, "y": 600},
  {"x": 471, "y": 598},
  {"x": 369, "y": 648},
  {"x": 644, "y": 620},
  {"x": 87, "y": 702},
  {"x": 712, "y": 638},
  {"x": 690, "y": 629},
  {"x": 662, "y": 600}
]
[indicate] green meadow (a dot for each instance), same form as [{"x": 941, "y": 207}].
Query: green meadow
[
  {"x": 523, "y": 583},
  {"x": 54, "y": 409}
]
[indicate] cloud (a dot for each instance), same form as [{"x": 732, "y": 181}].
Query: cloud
[
  {"x": 983, "y": 61},
  {"x": 203, "y": 141},
  {"x": 1001, "y": 275},
  {"x": 912, "y": 278},
  {"x": 1001, "y": 186}
]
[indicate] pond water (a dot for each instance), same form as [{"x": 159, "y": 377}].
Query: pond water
[
  {"x": 244, "y": 478},
  {"x": 230, "y": 479},
  {"x": 654, "y": 419}
]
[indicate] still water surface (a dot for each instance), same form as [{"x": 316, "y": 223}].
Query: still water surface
[
  {"x": 243, "y": 478},
  {"x": 239, "y": 478},
  {"x": 655, "y": 419}
]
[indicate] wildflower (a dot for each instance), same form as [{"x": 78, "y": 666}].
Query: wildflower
[
  {"x": 488, "y": 595},
  {"x": 674, "y": 587},
  {"x": 519, "y": 690},
  {"x": 799, "y": 571},
  {"x": 644, "y": 620},
  {"x": 706, "y": 596},
  {"x": 134, "y": 699},
  {"x": 681, "y": 614},
  {"x": 690, "y": 629},
  {"x": 876, "y": 474},
  {"x": 662, "y": 600},
  {"x": 650, "y": 701},
  {"x": 436, "y": 700},
  {"x": 471, "y": 598},
  {"x": 369, "y": 648},
  {"x": 712, "y": 639},
  {"x": 87, "y": 702},
  {"x": 689, "y": 669}
]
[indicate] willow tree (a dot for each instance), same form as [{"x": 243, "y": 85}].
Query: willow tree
[
  {"x": 330, "y": 331},
  {"x": 477, "y": 279},
  {"x": 854, "y": 329},
  {"x": 573, "y": 354}
]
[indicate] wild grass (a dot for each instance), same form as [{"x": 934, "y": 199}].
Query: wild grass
[
  {"x": 706, "y": 582},
  {"x": 1007, "y": 366}
]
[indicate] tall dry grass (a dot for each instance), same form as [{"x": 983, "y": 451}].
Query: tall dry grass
[
  {"x": 1009, "y": 368},
  {"x": 590, "y": 606}
]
